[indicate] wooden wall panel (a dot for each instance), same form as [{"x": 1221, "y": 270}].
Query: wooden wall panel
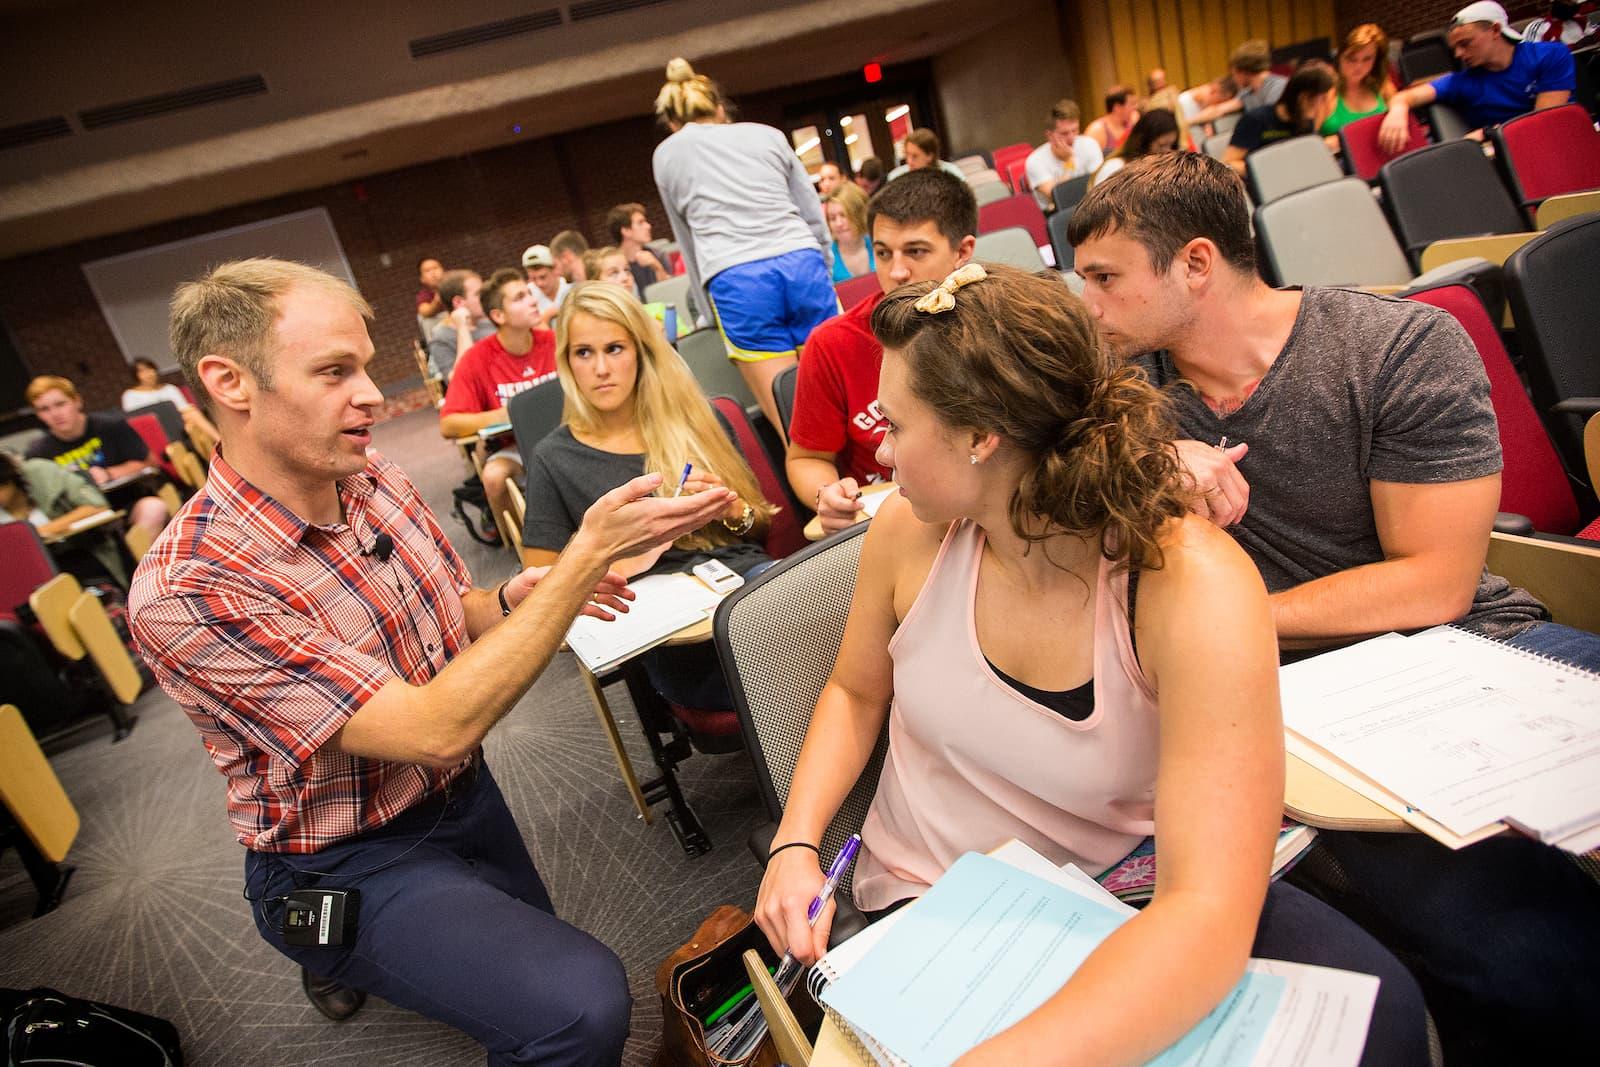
[{"x": 1119, "y": 41}]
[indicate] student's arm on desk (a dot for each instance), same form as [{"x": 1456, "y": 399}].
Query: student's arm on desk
[
  {"x": 1219, "y": 792},
  {"x": 814, "y": 477},
  {"x": 1434, "y": 537},
  {"x": 463, "y": 424},
  {"x": 442, "y": 721},
  {"x": 843, "y": 731}
]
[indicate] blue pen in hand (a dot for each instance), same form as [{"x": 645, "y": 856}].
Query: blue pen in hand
[{"x": 684, "y": 480}]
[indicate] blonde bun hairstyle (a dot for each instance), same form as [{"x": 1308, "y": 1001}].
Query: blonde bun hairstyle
[{"x": 687, "y": 97}]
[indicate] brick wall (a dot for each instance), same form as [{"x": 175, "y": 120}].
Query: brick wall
[
  {"x": 1402, "y": 18},
  {"x": 476, "y": 211}
]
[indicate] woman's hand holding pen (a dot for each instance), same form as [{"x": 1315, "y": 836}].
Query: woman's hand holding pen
[
  {"x": 838, "y": 504},
  {"x": 793, "y": 879}
]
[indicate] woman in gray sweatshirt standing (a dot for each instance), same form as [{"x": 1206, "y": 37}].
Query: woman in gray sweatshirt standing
[{"x": 750, "y": 226}]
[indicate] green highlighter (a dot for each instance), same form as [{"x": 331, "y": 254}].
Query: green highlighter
[{"x": 732, "y": 1002}]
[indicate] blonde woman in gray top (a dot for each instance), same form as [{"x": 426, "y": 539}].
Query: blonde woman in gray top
[{"x": 747, "y": 220}]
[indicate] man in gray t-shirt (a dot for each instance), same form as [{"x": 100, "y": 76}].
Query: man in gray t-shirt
[{"x": 1347, "y": 442}]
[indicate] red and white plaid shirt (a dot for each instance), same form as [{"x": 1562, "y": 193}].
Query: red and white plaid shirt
[{"x": 271, "y": 632}]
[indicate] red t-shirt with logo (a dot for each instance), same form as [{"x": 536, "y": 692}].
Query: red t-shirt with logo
[
  {"x": 836, "y": 393},
  {"x": 487, "y": 376}
]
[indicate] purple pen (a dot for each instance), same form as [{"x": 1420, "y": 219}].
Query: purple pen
[{"x": 841, "y": 863}]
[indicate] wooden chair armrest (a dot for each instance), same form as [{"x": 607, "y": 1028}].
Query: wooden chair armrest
[
  {"x": 793, "y": 1047},
  {"x": 52, "y": 605},
  {"x": 1564, "y": 576}
]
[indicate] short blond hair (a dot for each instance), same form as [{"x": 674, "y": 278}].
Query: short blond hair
[
  {"x": 46, "y": 382},
  {"x": 233, "y": 309}
]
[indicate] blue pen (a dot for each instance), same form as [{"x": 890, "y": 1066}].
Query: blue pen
[{"x": 684, "y": 480}]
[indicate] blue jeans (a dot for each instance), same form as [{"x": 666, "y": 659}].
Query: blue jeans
[
  {"x": 461, "y": 930},
  {"x": 1564, "y": 643}
]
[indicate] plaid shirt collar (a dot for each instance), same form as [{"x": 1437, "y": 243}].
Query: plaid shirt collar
[{"x": 265, "y": 520}]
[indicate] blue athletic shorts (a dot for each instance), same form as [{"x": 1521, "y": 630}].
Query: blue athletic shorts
[{"x": 768, "y": 308}]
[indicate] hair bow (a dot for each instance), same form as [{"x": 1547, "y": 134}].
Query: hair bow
[{"x": 943, "y": 296}]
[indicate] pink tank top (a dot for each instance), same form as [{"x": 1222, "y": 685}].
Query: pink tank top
[{"x": 973, "y": 763}]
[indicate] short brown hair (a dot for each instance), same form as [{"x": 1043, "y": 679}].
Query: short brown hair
[
  {"x": 454, "y": 284},
  {"x": 1117, "y": 95},
  {"x": 233, "y": 310},
  {"x": 492, "y": 296},
  {"x": 1165, "y": 201},
  {"x": 926, "y": 140},
  {"x": 1065, "y": 110},
  {"x": 46, "y": 382},
  {"x": 1252, "y": 57},
  {"x": 1098, "y": 433},
  {"x": 928, "y": 195},
  {"x": 568, "y": 241},
  {"x": 620, "y": 218}
]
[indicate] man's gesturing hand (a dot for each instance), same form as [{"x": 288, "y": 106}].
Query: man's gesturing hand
[
  {"x": 610, "y": 595},
  {"x": 1221, "y": 493},
  {"x": 629, "y": 519}
]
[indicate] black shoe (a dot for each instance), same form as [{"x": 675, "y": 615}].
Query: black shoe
[{"x": 333, "y": 999}]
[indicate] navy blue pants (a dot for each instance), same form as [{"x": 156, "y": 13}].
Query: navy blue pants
[{"x": 460, "y": 930}]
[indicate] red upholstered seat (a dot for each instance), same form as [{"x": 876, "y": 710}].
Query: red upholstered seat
[
  {"x": 1590, "y": 532},
  {"x": 1005, "y": 157},
  {"x": 854, "y": 290},
  {"x": 148, "y": 427},
  {"x": 28, "y": 565},
  {"x": 1020, "y": 210},
  {"x": 784, "y": 534},
  {"x": 1359, "y": 140},
  {"x": 1548, "y": 153},
  {"x": 1533, "y": 482}
]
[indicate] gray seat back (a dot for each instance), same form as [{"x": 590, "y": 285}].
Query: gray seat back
[
  {"x": 1012, "y": 246},
  {"x": 777, "y": 638},
  {"x": 1276, "y": 170},
  {"x": 1330, "y": 234}
]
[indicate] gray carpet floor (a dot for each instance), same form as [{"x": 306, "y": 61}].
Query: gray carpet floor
[{"x": 153, "y": 919}]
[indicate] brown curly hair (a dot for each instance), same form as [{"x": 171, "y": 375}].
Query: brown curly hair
[{"x": 1020, "y": 356}]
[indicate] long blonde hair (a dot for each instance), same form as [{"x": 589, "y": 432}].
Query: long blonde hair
[
  {"x": 854, "y": 202},
  {"x": 675, "y": 419}
]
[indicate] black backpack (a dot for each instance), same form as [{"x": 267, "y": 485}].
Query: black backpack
[
  {"x": 45, "y": 1026},
  {"x": 469, "y": 495}
]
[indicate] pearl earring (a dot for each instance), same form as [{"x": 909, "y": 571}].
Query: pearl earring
[{"x": 974, "y": 458}]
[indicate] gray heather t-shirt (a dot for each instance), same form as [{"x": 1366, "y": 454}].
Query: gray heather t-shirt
[
  {"x": 567, "y": 476},
  {"x": 1367, "y": 388}
]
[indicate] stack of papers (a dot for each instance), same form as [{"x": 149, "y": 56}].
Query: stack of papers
[
  {"x": 1455, "y": 733},
  {"x": 665, "y": 604},
  {"x": 997, "y": 935}
]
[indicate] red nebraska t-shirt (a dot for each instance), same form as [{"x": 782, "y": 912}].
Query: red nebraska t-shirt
[
  {"x": 836, "y": 393},
  {"x": 487, "y": 376}
]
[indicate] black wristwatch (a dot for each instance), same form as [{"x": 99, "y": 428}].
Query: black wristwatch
[{"x": 500, "y": 595}]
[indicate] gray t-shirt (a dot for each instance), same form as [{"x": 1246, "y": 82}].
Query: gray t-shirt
[
  {"x": 442, "y": 344},
  {"x": 567, "y": 476},
  {"x": 1367, "y": 388},
  {"x": 1271, "y": 92}
]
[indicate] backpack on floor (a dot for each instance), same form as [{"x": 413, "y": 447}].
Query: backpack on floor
[
  {"x": 45, "y": 1026},
  {"x": 471, "y": 506}
]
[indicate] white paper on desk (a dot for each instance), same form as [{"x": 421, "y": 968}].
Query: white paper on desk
[
  {"x": 663, "y": 605},
  {"x": 1466, "y": 729}
]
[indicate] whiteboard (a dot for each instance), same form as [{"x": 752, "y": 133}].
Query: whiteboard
[{"x": 135, "y": 289}]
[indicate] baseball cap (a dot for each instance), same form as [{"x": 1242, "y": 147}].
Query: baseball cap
[
  {"x": 1486, "y": 11},
  {"x": 538, "y": 256}
]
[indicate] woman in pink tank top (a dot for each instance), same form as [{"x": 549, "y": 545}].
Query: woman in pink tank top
[{"x": 990, "y": 625}]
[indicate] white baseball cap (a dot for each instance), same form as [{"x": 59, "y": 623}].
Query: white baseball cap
[
  {"x": 1486, "y": 11},
  {"x": 538, "y": 256}
]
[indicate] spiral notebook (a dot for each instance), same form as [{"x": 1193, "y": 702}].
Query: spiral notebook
[{"x": 1464, "y": 731}]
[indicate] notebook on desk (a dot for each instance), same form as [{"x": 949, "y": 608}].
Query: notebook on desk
[
  {"x": 663, "y": 605},
  {"x": 998, "y": 934},
  {"x": 1457, "y": 733}
]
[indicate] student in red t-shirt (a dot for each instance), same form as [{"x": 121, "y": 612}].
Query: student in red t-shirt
[
  {"x": 922, "y": 226},
  {"x": 517, "y": 356}
]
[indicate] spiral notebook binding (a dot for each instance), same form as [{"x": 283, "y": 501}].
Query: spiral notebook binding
[{"x": 1563, "y": 665}]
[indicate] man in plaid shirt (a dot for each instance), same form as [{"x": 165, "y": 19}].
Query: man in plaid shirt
[{"x": 314, "y": 622}]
